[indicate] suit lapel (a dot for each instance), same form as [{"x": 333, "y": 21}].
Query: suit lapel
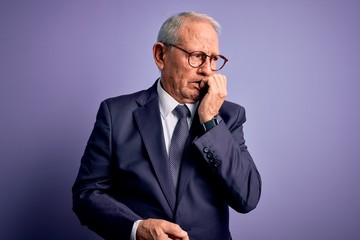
[{"x": 148, "y": 119}]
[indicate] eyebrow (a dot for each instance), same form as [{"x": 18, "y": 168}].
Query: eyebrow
[{"x": 191, "y": 51}]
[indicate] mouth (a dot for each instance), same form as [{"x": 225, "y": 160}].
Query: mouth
[
  {"x": 197, "y": 83},
  {"x": 196, "y": 86}
]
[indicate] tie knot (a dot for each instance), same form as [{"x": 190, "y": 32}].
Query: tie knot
[{"x": 182, "y": 111}]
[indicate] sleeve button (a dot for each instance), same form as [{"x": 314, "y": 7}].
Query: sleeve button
[{"x": 206, "y": 149}]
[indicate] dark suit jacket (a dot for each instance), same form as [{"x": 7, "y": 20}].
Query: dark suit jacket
[{"x": 124, "y": 175}]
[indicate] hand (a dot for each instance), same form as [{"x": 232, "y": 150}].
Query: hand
[
  {"x": 214, "y": 98},
  {"x": 156, "y": 229}
]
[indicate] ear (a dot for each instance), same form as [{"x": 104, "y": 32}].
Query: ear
[{"x": 159, "y": 51}]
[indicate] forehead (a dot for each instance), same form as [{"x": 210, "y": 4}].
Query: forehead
[{"x": 199, "y": 35}]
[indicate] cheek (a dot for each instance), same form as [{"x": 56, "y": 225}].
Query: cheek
[
  {"x": 180, "y": 73},
  {"x": 181, "y": 76}
]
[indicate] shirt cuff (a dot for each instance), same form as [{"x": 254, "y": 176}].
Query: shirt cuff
[{"x": 134, "y": 229}]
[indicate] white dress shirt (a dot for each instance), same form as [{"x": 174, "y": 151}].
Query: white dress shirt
[{"x": 168, "y": 120}]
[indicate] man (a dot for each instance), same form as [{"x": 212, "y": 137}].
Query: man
[{"x": 128, "y": 185}]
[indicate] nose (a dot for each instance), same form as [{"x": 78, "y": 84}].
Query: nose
[{"x": 205, "y": 68}]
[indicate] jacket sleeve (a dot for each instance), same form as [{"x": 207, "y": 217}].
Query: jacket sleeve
[
  {"x": 92, "y": 199},
  {"x": 223, "y": 148}
]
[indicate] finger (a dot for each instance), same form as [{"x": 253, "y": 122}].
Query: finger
[
  {"x": 220, "y": 88},
  {"x": 220, "y": 79},
  {"x": 216, "y": 80},
  {"x": 152, "y": 229},
  {"x": 204, "y": 82},
  {"x": 185, "y": 238},
  {"x": 174, "y": 230}
]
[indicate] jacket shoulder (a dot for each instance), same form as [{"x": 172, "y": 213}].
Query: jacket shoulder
[
  {"x": 232, "y": 112},
  {"x": 132, "y": 100}
]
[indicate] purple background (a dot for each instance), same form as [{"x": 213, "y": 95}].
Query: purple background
[{"x": 294, "y": 65}]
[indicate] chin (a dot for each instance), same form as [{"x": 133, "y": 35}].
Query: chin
[
  {"x": 194, "y": 98},
  {"x": 191, "y": 96}
]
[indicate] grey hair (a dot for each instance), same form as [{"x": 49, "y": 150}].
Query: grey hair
[{"x": 169, "y": 31}]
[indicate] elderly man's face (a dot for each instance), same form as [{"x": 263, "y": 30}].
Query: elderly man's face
[{"x": 179, "y": 79}]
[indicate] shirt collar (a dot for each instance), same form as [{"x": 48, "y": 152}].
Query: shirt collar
[{"x": 168, "y": 104}]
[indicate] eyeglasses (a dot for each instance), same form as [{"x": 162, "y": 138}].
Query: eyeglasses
[{"x": 197, "y": 59}]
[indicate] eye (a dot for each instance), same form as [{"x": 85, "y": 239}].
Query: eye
[
  {"x": 198, "y": 55},
  {"x": 214, "y": 58}
]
